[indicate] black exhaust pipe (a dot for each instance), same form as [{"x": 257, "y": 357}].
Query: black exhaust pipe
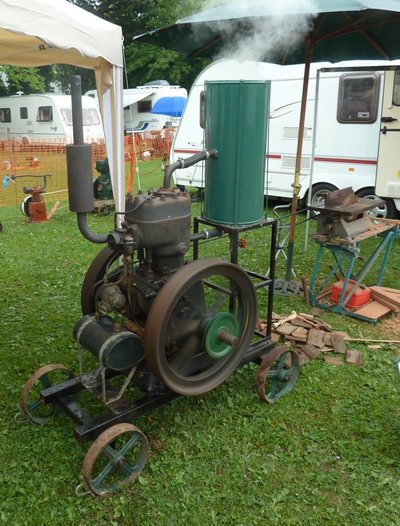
[{"x": 79, "y": 168}]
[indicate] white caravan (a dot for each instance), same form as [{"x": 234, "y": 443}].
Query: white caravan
[
  {"x": 140, "y": 101},
  {"x": 47, "y": 117},
  {"x": 350, "y": 136}
]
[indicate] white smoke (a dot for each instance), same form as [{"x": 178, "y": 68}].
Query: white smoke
[{"x": 265, "y": 37}]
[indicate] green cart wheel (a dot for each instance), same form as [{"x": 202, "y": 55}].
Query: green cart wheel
[
  {"x": 115, "y": 458},
  {"x": 277, "y": 374},
  {"x": 30, "y": 404}
]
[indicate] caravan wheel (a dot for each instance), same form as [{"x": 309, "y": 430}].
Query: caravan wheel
[
  {"x": 386, "y": 211},
  {"x": 319, "y": 192}
]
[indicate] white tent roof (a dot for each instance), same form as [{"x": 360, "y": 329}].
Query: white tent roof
[
  {"x": 131, "y": 98},
  {"x": 40, "y": 32},
  {"x": 62, "y": 27}
]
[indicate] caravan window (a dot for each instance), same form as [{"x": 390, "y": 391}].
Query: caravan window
[
  {"x": 45, "y": 114},
  {"x": 23, "y": 112},
  {"x": 5, "y": 115},
  {"x": 396, "y": 88},
  {"x": 67, "y": 115},
  {"x": 358, "y": 98},
  {"x": 144, "y": 106},
  {"x": 90, "y": 116}
]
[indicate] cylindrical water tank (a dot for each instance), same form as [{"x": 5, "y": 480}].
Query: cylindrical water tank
[{"x": 236, "y": 125}]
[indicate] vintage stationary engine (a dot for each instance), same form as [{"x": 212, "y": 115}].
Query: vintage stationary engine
[
  {"x": 154, "y": 322},
  {"x": 186, "y": 332}
]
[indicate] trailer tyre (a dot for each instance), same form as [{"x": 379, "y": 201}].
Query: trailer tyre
[
  {"x": 319, "y": 192},
  {"x": 386, "y": 211}
]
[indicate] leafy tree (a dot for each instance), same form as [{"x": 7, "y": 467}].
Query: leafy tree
[
  {"x": 14, "y": 79},
  {"x": 62, "y": 74}
]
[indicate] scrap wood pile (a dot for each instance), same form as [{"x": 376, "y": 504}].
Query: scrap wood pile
[
  {"x": 373, "y": 302},
  {"x": 312, "y": 338}
]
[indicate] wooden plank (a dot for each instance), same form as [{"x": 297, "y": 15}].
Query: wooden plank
[
  {"x": 388, "y": 289},
  {"x": 368, "y": 340},
  {"x": 353, "y": 357},
  {"x": 324, "y": 292},
  {"x": 316, "y": 338},
  {"x": 378, "y": 293},
  {"x": 311, "y": 351},
  {"x": 338, "y": 343},
  {"x": 301, "y": 322},
  {"x": 389, "y": 296},
  {"x": 333, "y": 360},
  {"x": 305, "y": 290},
  {"x": 373, "y": 310},
  {"x": 309, "y": 317},
  {"x": 275, "y": 337},
  {"x": 393, "y": 291},
  {"x": 285, "y": 329},
  {"x": 342, "y": 333},
  {"x": 323, "y": 325},
  {"x": 385, "y": 302},
  {"x": 299, "y": 334},
  {"x": 303, "y": 358}
]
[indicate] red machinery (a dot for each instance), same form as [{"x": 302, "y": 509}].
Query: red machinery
[{"x": 34, "y": 206}]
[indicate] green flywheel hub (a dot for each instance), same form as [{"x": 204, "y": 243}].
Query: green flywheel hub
[{"x": 221, "y": 335}]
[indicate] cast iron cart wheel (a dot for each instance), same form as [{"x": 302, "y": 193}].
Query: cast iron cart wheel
[
  {"x": 200, "y": 325},
  {"x": 275, "y": 376},
  {"x": 30, "y": 404},
  {"x": 94, "y": 278},
  {"x": 115, "y": 458}
]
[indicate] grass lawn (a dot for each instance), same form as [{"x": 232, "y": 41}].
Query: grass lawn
[{"x": 326, "y": 454}]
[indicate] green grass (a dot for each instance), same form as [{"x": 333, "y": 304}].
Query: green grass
[{"x": 326, "y": 454}]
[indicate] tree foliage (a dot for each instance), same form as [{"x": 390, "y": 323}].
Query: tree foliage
[{"x": 27, "y": 80}]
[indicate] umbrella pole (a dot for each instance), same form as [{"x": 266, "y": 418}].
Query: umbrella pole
[{"x": 296, "y": 183}]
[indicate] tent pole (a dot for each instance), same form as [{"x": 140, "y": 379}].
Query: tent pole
[
  {"x": 314, "y": 145},
  {"x": 296, "y": 183}
]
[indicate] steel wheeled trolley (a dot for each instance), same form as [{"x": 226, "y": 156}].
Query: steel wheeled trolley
[{"x": 157, "y": 324}]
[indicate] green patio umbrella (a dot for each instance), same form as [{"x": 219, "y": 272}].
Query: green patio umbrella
[{"x": 334, "y": 30}]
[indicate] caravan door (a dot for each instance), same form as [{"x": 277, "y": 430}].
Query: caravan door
[{"x": 388, "y": 171}]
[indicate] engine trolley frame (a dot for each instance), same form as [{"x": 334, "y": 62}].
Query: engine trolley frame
[{"x": 89, "y": 428}]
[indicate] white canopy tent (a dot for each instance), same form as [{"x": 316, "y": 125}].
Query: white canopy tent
[{"x": 42, "y": 32}]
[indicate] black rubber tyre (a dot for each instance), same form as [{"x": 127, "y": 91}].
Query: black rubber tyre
[
  {"x": 319, "y": 192},
  {"x": 387, "y": 211}
]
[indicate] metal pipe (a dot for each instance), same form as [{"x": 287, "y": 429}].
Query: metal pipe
[
  {"x": 79, "y": 168},
  {"x": 206, "y": 234},
  {"x": 185, "y": 163},
  {"x": 86, "y": 232},
  {"x": 76, "y": 101}
]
